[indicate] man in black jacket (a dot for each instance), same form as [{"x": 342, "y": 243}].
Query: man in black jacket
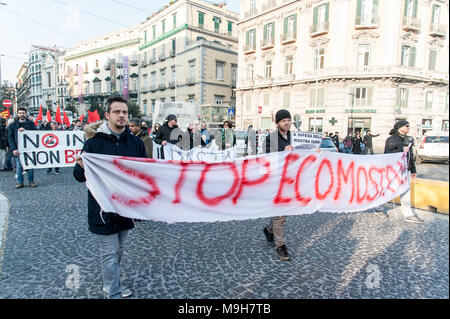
[
  {"x": 111, "y": 138},
  {"x": 21, "y": 124},
  {"x": 398, "y": 142},
  {"x": 368, "y": 142},
  {"x": 3, "y": 144},
  {"x": 279, "y": 141},
  {"x": 169, "y": 132}
]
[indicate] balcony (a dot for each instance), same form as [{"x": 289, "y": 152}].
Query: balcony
[
  {"x": 250, "y": 48},
  {"x": 162, "y": 57},
  {"x": 269, "y": 4},
  {"x": 288, "y": 37},
  {"x": 439, "y": 30},
  {"x": 366, "y": 22},
  {"x": 190, "y": 81},
  {"x": 319, "y": 29},
  {"x": 267, "y": 43},
  {"x": 250, "y": 13},
  {"x": 162, "y": 86},
  {"x": 172, "y": 84},
  {"x": 411, "y": 24}
]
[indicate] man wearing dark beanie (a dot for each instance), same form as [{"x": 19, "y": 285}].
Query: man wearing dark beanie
[
  {"x": 398, "y": 142},
  {"x": 279, "y": 141}
]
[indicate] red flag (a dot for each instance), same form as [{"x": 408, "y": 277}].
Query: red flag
[
  {"x": 89, "y": 117},
  {"x": 49, "y": 116},
  {"x": 39, "y": 117},
  {"x": 97, "y": 116},
  {"x": 81, "y": 118},
  {"x": 58, "y": 116},
  {"x": 66, "y": 119}
]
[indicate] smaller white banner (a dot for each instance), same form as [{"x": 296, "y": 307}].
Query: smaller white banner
[
  {"x": 172, "y": 152},
  {"x": 44, "y": 149},
  {"x": 306, "y": 140}
]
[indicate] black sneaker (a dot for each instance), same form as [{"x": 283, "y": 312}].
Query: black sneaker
[
  {"x": 283, "y": 253},
  {"x": 269, "y": 236}
]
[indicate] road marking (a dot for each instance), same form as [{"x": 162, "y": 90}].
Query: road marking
[{"x": 4, "y": 213}]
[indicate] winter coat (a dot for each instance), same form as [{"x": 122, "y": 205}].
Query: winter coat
[
  {"x": 356, "y": 141},
  {"x": 100, "y": 140},
  {"x": 13, "y": 128},
  {"x": 172, "y": 135},
  {"x": 3, "y": 137},
  {"x": 395, "y": 144},
  {"x": 368, "y": 139},
  {"x": 276, "y": 142},
  {"x": 148, "y": 142}
]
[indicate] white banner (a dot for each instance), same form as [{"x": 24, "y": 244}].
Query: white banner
[
  {"x": 172, "y": 152},
  {"x": 306, "y": 140},
  {"x": 43, "y": 149},
  {"x": 275, "y": 184},
  {"x": 185, "y": 112}
]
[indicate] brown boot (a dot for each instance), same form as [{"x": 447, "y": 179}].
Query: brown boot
[
  {"x": 19, "y": 186},
  {"x": 32, "y": 184}
]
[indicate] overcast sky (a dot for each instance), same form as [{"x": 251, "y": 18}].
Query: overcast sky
[{"x": 56, "y": 22}]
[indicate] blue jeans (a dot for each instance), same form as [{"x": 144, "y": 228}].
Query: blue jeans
[
  {"x": 19, "y": 172},
  {"x": 111, "y": 251}
]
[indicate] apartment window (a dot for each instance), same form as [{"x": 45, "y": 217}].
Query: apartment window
[
  {"x": 145, "y": 80},
  {"x": 445, "y": 126},
  {"x": 429, "y": 100},
  {"x": 435, "y": 17},
  {"x": 85, "y": 67},
  {"x": 108, "y": 86},
  {"x": 316, "y": 125},
  {"x": 248, "y": 100},
  {"x": 134, "y": 84},
  {"x": 163, "y": 76},
  {"x": 49, "y": 78},
  {"x": 252, "y": 6},
  {"x": 163, "y": 27},
  {"x": 153, "y": 79},
  {"x": 163, "y": 50},
  {"x": 320, "y": 92},
  {"x": 218, "y": 99},
  {"x": 145, "y": 57},
  {"x": 366, "y": 11},
  {"x": 173, "y": 74},
  {"x": 432, "y": 60},
  {"x": 320, "y": 17},
  {"x": 145, "y": 36},
  {"x": 97, "y": 87},
  {"x": 363, "y": 55},
  {"x": 217, "y": 22},
  {"x": 289, "y": 65},
  {"x": 153, "y": 54},
  {"x": 268, "y": 69},
  {"x": 269, "y": 33},
  {"x": 219, "y": 70},
  {"x": 174, "y": 20},
  {"x": 319, "y": 58},
  {"x": 153, "y": 105},
  {"x": 290, "y": 25},
  {"x": 201, "y": 20},
  {"x": 408, "y": 56},
  {"x": 192, "y": 70},
  {"x": 250, "y": 71},
  {"x": 154, "y": 32},
  {"x": 86, "y": 89},
  {"x": 191, "y": 98},
  {"x": 230, "y": 28},
  {"x": 402, "y": 98},
  {"x": 145, "y": 107},
  {"x": 410, "y": 9},
  {"x": 362, "y": 96},
  {"x": 251, "y": 39}
]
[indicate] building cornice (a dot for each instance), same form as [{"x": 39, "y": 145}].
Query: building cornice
[{"x": 102, "y": 49}]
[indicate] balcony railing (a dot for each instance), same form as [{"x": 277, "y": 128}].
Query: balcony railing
[
  {"x": 288, "y": 37},
  {"x": 366, "y": 22},
  {"x": 190, "y": 81},
  {"x": 438, "y": 29},
  {"x": 411, "y": 24},
  {"x": 249, "y": 48},
  {"x": 267, "y": 43},
  {"x": 269, "y": 4},
  {"x": 319, "y": 29}
]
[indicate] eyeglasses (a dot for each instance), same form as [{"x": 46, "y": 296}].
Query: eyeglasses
[{"x": 407, "y": 125}]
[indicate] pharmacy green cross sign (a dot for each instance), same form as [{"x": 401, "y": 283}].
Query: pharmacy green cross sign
[{"x": 332, "y": 121}]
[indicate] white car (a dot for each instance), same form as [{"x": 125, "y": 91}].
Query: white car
[
  {"x": 432, "y": 148},
  {"x": 327, "y": 145}
]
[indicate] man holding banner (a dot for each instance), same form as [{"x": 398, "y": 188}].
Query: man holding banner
[
  {"x": 113, "y": 138},
  {"x": 279, "y": 141},
  {"x": 22, "y": 123}
]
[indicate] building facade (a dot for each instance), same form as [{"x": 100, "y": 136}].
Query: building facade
[
  {"x": 23, "y": 86},
  {"x": 188, "y": 53},
  {"x": 344, "y": 65},
  {"x": 42, "y": 65}
]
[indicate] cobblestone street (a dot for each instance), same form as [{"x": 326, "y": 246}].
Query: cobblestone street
[{"x": 358, "y": 255}]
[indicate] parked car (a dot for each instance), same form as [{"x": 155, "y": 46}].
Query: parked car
[
  {"x": 328, "y": 145},
  {"x": 432, "y": 148}
]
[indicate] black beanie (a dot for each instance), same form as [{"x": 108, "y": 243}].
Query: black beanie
[
  {"x": 400, "y": 124},
  {"x": 281, "y": 115}
]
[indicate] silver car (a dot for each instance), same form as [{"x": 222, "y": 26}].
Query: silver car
[
  {"x": 327, "y": 145},
  {"x": 432, "y": 148}
]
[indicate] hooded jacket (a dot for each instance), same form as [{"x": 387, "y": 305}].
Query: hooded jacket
[
  {"x": 148, "y": 142},
  {"x": 100, "y": 140},
  {"x": 395, "y": 144}
]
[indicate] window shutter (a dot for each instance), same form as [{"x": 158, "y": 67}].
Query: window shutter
[
  {"x": 415, "y": 9},
  {"x": 265, "y": 32},
  {"x": 273, "y": 31},
  {"x": 405, "y": 9},
  {"x": 285, "y": 25},
  {"x": 295, "y": 22},
  {"x": 316, "y": 11},
  {"x": 327, "y": 8},
  {"x": 412, "y": 57},
  {"x": 432, "y": 60},
  {"x": 403, "y": 55},
  {"x": 406, "y": 97},
  {"x": 358, "y": 10},
  {"x": 432, "y": 14},
  {"x": 374, "y": 10},
  {"x": 247, "y": 41}
]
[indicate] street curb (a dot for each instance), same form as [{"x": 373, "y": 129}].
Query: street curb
[
  {"x": 430, "y": 195},
  {"x": 4, "y": 214}
]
